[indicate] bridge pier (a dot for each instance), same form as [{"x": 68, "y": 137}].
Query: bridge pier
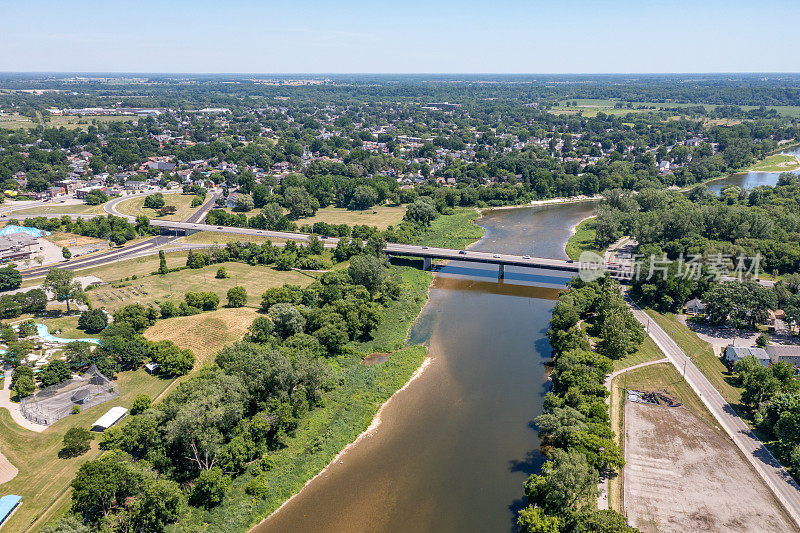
[
  {"x": 502, "y": 272},
  {"x": 426, "y": 263}
]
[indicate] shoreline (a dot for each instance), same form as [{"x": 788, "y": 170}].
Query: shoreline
[
  {"x": 537, "y": 203},
  {"x": 373, "y": 426},
  {"x": 574, "y": 229}
]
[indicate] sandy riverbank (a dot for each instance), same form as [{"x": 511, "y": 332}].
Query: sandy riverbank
[{"x": 551, "y": 201}]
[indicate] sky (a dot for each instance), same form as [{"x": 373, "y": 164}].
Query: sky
[{"x": 408, "y": 36}]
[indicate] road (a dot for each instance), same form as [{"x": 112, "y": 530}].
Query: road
[{"x": 785, "y": 489}]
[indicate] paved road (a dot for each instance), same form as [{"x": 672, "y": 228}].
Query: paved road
[{"x": 774, "y": 475}]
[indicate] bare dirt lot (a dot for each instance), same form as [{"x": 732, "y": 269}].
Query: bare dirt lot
[{"x": 682, "y": 475}]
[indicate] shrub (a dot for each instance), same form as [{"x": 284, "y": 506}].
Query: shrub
[
  {"x": 141, "y": 403},
  {"x": 237, "y": 297},
  {"x": 221, "y": 273},
  {"x": 210, "y": 487}
]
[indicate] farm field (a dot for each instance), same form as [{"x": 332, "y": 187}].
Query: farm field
[
  {"x": 591, "y": 107},
  {"x": 183, "y": 202}
]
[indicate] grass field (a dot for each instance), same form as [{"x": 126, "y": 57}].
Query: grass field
[
  {"x": 42, "y": 474},
  {"x": 205, "y": 334},
  {"x": 14, "y": 122},
  {"x": 135, "y": 207},
  {"x": 702, "y": 356},
  {"x": 62, "y": 239},
  {"x": 148, "y": 289},
  {"x": 777, "y": 163},
  {"x": 68, "y": 326},
  {"x": 453, "y": 231},
  {"x": 59, "y": 209},
  {"x": 583, "y": 239},
  {"x": 380, "y": 216},
  {"x": 56, "y": 121}
]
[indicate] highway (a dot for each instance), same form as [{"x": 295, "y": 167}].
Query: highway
[{"x": 785, "y": 489}]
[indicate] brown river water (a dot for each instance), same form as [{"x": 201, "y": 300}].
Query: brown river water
[{"x": 454, "y": 447}]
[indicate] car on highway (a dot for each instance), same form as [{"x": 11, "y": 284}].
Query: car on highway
[
  {"x": 219, "y": 227},
  {"x": 570, "y": 260},
  {"x": 496, "y": 256},
  {"x": 462, "y": 252},
  {"x": 526, "y": 257},
  {"x": 425, "y": 247}
]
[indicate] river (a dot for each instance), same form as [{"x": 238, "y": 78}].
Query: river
[
  {"x": 748, "y": 180},
  {"x": 454, "y": 447}
]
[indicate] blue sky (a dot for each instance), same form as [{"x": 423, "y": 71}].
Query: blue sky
[{"x": 354, "y": 36}]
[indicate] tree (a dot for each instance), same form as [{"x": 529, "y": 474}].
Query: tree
[
  {"x": 567, "y": 481},
  {"x": 421, "y": 211},
  {"x": 299, "y": 203},
  {"x": 534, "y": 520},
  {"x": 762, "y": 340},
  {"x": 162, "y": 263},
  {"x": 173, "y": 360},
  {"x": 367, "y": 271},
  {"x": 141, "y": 403},
  {"x": 65, "y": 253},
  {"x": 54, "y": 372},
  {"x": 60, "y": 283},
  {"x": 77, "y": 441},
  {"x": 137, "y": 316},
  {"x": 237, "y": 296},
  {"x": 10, "y": 279},
  {"x": 287, "y": 320},
  {"x": 104, "y": 485},
  {"x": 364, "y": 197},
  {"x": 210, "y": 487},
  {"x": 78, "y": 354},
  {"x": 261, "y": 329},
  {"x": 243, "y": 203},
  {"x": 221, "y": 273},
  {"x": 93, "y": 321},
  {"x": 158, "y": 504},
  {"x": 154, "y": 201},
  {"x": 22, "y": 381}
]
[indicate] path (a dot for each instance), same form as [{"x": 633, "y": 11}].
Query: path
[
  {"x": 13, "y": 407},
  {"x": 774, "y": 475},
  {"x": 602, "y": 498}
]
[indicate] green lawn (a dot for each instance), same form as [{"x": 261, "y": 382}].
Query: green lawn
[
  {"x": 583, "y": 239},
  {"x": 68, "y": 326},
  {"x": 58, "y": 209},
  {"x": 702, "y": 356},
  {"x": 776, "y": 163},
  {"x": 216, "y": 237},
  {"x": 43, "y": 477}
]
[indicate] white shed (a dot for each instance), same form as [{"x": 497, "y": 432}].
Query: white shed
[{"x": 113, "y": 416}]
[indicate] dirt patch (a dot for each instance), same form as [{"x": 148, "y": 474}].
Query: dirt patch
[
  {"x": 681, "y": 475},
  {"x": 7, "y": 470},
  {"x": 375, "y": 358}
]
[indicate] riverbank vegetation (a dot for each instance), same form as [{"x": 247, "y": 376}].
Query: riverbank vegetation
[
  {"x": 576, "y": 432},
  {"x": 583, "y": 240},
  {"x": 252, "y": 441},
  {"x": 777, "y": 163}
]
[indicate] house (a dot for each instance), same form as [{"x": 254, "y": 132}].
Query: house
[
  {"x": 695, "y": 307},
  {"x": 161, "y": 165},
  {"x": 133, "y": 185},
  {"x": 81, "y": 193},
  {"x": 787, "y": 353},
  {"x": 734, "y": 353}
]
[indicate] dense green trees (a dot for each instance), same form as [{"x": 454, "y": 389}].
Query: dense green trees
[
  {"x": 237, "y": 296},
  {"x": 10, "y": 279},
  {"x": 22, "y": 381},
  {"x": 76, "y": 442},
  {"x": 93, "y": 321},
  {"x": 54, "y": 372},
  {"x": 60, "y": 283},
  {"x": 154, "y": 201}
]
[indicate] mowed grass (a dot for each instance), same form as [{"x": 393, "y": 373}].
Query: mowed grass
[
  {"x": 43, "y": 477},
  {"x": 205, "y": 334},
  {"x": 583, "y": 239},
  {"x": 379, "y": 216},
  {"x": 648, "y": 351},
  {"x": 183, "y": 202},
  {"x": 702, "y": 355},
  {"x": 14, "y": 122},
  {"x": 68, "y": 326},
  {"x": 777, "y": 163},
  {"x": 83, "y": 122},
  {"x": 148, "y": 289},
  {"x": 60, "y": 209}
]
